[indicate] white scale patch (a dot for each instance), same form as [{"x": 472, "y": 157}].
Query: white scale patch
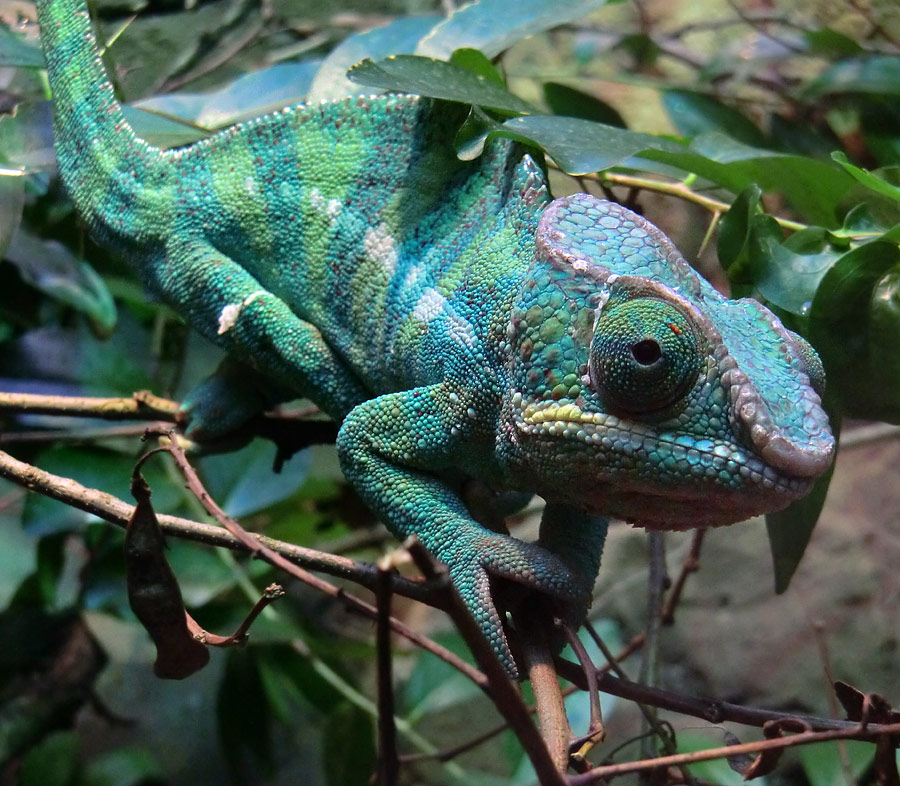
[
  {"x": 229, "y": 314},
  {"x": 316, "y": 199},
  {"x": 333, "y": 208},
  {"x": 381, "y": 247},
  {"x": 430, "y": 305},
  {"x": 461, "y": 330}
]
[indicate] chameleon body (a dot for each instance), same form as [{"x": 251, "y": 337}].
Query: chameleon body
[{"x": 456, "y": 322}]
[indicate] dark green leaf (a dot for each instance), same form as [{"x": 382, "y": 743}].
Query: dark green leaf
[
  {"x": 437, "y": 79},
  {"x": 580, "y": 146},
  {"x": 128, "y": 766},
  {"x": 53, "y": 762},
  {"x": 801, "y": 138},
  {"x": 348, "y": 722},
  {"x": 243, "y": 482},
  {"x": 17, "y": 52},
  {"x": 18, "y": 552},
  {"x": 827, "y": 41},
  {"x": 151, "y": 122},
  {"x": 570, "y": 102},
  {"x": 248, "y": 96},
  {"x": 53, "y": 269},
  {"x": 854, "y": 323},
  {"x": 734, "y": 234},
  {"x": 869, "y": 179},
  {"x": 492, "y": 26},
  {"x": 790, "y": 529},
  {"x": 398, "y": 37},
  {"x": 12, "y": 200},
  {"x": 872, "y": 74},
  {"x": 816, "y": 188},
  {"x": 244, "y": 715},
  {"x": 26, "y": 137},
  {"x": 478, "y": 63},
  {"x": 696, "y": 113},
  {"x": 784, "y": 277}
]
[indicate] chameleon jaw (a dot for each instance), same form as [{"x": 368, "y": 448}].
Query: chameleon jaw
[{"x": 678, "y": 460}]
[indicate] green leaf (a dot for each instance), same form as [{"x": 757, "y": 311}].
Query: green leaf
[
  {"x": 787, "y": 279},
  {"x": 789, "y": 530},
  {"x": 493, "y": 26},
  {"x": 695, "y": 113},
  {"x": 248, "y": 96},
  {"x": 476, "y": 62},
  {"x": 871, "y": 74},
  {"x": 127, "y": 766},
  {"x": 437, "y": 79},
  {"x": 830, "y": 42},
  {"x": 26, "y": 137},
  {"x": 580, "y": 146},
  {"x": 398, "y": 37},
  {"x": 854, "y": 323},
  {"x": 52, "y": 762},
  {"x": 18, "y": 552},
  {"x": 823, "y": 764},
  {"x": 12, "y": 200},
  {"x": 734, "y": 234},
  {"x": 243, "y": 482},
  {"x": 17, "y": 52},
  {"x": 348, "y": 722},
  {"x": 244, "y": 715},
  {"x": 54, "y": 270},
  {"x": 815, "y": 188},
  {"x": 151, "y": 122},
  {"x": 869, "y": 179},
  {"x": 570, "y": 102}
]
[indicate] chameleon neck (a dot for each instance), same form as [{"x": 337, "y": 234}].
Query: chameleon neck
[{"x": 112, "y": 176}]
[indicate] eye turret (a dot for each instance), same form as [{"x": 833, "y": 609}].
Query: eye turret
[{"x": 644, "y": 355}]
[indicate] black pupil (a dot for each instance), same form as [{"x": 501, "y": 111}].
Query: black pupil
[{"x": 646, "y": 352}]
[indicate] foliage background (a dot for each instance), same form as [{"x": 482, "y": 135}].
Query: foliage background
[{"x": 743, "y": 112}]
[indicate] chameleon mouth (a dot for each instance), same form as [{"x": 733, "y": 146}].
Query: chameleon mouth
[{"x": 672, "y": 456}]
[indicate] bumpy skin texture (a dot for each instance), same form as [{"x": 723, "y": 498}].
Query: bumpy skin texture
[{"x": 455, "y": 320}]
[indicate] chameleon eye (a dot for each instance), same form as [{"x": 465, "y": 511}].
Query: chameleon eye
[{"x": 644, "y": 355}]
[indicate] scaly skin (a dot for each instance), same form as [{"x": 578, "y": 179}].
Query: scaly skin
[{"x": 457, "y": 323}]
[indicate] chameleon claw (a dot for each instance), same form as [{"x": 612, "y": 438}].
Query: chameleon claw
[{"x": 525, "y": 569}]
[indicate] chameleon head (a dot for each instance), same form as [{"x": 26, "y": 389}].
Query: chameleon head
[{"x": 639, "y": 391}]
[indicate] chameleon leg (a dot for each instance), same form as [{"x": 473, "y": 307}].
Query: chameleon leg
[
  {"x": 389, "y": 446},
  {"x": 233, "y": 309},
  {"x": 578, "y": 538},
  {"x": 228, "y": 398}
]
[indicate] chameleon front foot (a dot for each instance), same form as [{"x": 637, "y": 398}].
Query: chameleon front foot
[{"x": 524, "y": 571}]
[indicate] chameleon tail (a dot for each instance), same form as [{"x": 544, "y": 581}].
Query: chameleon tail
[{"x": 115, "y": 179}]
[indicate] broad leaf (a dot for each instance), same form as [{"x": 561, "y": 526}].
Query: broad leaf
[
  {"x": 437, "y": 79},
  {"x": 872, "y": 74},
  {"x": 399, "y": 37},
  {"x": 697, "y": 113},
  {"x": 17, "y": 52},
  {"x": 492, "y": 26}
]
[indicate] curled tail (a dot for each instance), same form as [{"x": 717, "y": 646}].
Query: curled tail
[{"x": 118, "y": 182}]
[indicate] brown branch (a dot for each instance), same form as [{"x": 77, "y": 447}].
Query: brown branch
[
  {"x": 855, "y": 732},
  {"x": 506, "y": 696},
  {"x": 551, "y": 711},
  {"x": 388, "y": 762},
  {"x": 142, "y": 404}
]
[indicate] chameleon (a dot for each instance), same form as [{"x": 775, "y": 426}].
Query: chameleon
[{"x": 455, "y": 320}]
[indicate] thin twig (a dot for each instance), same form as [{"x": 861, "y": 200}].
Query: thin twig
[
  {"x": 388, "y": 763},
  {"x": 856, "y": 732}
]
